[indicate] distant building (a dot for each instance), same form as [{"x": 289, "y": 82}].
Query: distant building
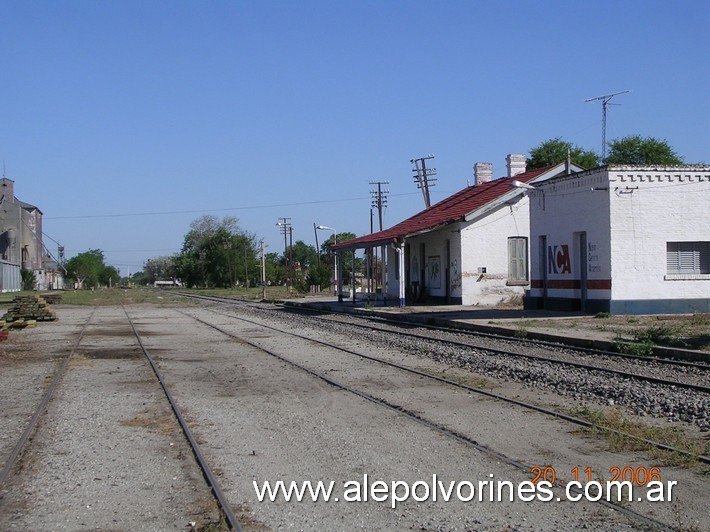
[
  {"x": 471, "y": 248},
  {"x": 622, "y": 239},
  {"x": 21, "y": 244}
]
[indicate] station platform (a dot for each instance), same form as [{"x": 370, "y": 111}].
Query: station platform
[{"x": 576, "y": 329}]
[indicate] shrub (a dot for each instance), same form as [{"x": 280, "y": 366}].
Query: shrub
[{"x": 29, "y": 279}]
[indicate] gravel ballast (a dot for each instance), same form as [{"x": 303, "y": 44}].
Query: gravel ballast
[{"x": 109, "y": 455}]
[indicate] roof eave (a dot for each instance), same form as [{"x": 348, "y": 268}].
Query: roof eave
[{"x": 494, "y": 205}]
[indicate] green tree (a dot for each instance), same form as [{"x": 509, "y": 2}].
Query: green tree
[
  {"x": 217, "y": 254},
  {"x": 85, "y": 268},
  {"x": 637, "y": 150},
  {"x": 341, "y": 237},
  {"x": 345, "y": 257},
  {"x": 304, "y": 254},
  {"x": 319, "y": 275},
  {"x": 137, "y": 278},
  {"x": 554, "y": 151},
  {"x": 275, "y": 268},
  {"x": 109, "y": 276},
  {"x": 159, "y": 269}
]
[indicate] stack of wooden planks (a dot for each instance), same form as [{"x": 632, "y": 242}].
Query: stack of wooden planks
[
  {"x": 26, "y": 311},
  {"x": 53, "y": 298}
]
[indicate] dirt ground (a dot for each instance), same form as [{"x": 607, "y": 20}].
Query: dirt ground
[
  {"x": 685, "y": 331},
  {"x": 103, "y": 459}
]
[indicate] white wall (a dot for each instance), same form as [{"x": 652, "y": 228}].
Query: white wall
[
  {"x": 482, "y": 243},
  {"x": 485, "y": 245},
  {"x": 628, "y": 220},
  {"x": 648, "y": 209},
  {"x": 561, "y": 211}
]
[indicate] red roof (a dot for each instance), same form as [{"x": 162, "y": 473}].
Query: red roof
[{"x": 449, "y": 210}]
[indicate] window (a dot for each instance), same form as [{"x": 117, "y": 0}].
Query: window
[
  {"x": 687, "y": 258},
  {"x": 517, "y": 260}
]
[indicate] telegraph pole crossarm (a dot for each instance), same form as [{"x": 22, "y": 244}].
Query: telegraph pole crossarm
[
  {"x": 287, "y": 230},
  {"x": 424, "y": 177},
  {"x": 379, "y": 200}
]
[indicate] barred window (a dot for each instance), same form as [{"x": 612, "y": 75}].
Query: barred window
[
  {"x": 687, "y": 258},
  {"x": 517, "y": 259}
]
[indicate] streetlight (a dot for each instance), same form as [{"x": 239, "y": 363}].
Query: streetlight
[
  {"x": 326, "y": 228},
  {"x": 520, "y": 184},
  {"x": 335, "y": 255},
  {"x": 527, "y": 186}
]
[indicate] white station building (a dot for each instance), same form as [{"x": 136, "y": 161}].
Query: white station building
[
  {"x": 470, "y": 248},
  {"x": 622, "y": 239}
]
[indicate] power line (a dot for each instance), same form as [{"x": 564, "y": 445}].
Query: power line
[{"x": 242, "y": 208}]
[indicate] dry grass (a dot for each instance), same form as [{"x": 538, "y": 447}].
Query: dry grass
[
  {"x": 130, "y": 296},
  {"x": 671, "y": 436},
  {"x": 461, "y": 377},
  {"x": 689, "y": 331},
  {"x": 164, "y": 424},
  {"x": 80, "y": 360}
]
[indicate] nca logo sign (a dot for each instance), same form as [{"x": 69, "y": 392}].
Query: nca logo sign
[{"x": 558, "y": 260}]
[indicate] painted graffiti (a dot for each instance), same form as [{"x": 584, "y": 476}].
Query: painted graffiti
[
  {"x": 593, "y": 259},
  {"x": 455, "y": 275},
  {"x": 558, "y": 259}
]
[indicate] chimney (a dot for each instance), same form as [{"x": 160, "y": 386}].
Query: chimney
[
  {"x": 516, "y": 164},
  {"x": 7, "y": 189},
  {"x": 482, "y": 173}
]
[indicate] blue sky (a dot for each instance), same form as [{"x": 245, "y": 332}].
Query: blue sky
[{"x": 123, "y": 121}]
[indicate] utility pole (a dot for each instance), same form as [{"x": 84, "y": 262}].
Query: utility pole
[
  {"x": 315, "y": 232},
  {"x": 379, "y": 200},
  {"x": 424, "y": 177},
  {"x": 605, "y": 103},
  {"x": 335, "y": 255},
  {"x": 371, "y": 269},
  {"x": 263, "y": 271},
  {"x": 285, "y": 227},
  {"x": 290, "y": 257},
  {"x": 246, "y": 268}
]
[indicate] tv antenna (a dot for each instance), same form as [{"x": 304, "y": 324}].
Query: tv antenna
[{"x": 605, "y": 103}]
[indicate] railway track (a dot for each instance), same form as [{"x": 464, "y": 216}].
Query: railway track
[
  {"x": 21, "y": 447},
  {"x": 471, "y": 336},
  {"x": 640, "y": 380},
  {"x": 396, "y": 324},
  {"x": 303, "y": 405},
  {"x": 194, "y": 446},
  {"x": 34, "y": 418},
  {"x": 702, "y": 370},
  {"x": 480, "y": 391},
  {"x": 642, "y": 519}
]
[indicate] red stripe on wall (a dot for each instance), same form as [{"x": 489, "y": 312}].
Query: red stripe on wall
[{"x": 572, "y": 284}]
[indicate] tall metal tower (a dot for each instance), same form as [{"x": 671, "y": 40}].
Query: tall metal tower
[
  {"x": 605, "y": 103},
  {"x": 424, "y": 177}
]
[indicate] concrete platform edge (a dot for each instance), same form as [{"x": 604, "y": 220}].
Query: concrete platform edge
[{"x": 574, "y": 341}]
